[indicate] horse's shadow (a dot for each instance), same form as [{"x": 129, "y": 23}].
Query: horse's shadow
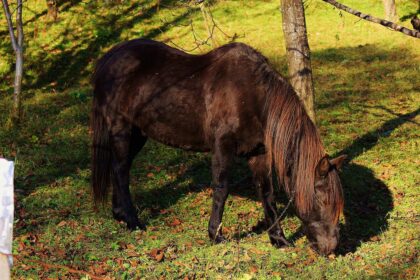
[
  {"x": 368, "y": 201},
  {"x": 367, "y": 204}
]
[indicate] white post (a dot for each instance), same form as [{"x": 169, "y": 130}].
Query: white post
[{"x": 6, "y": 217}]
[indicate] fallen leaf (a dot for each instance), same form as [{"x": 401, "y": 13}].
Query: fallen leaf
[
  {"x": 201, "y": 242},
  {"x": 157, "y": 254},
  {"x": 79, "y": 237},
  {"x": 175, "y": 222},
  {"x": 122, "y": 245},
  {"x": 98, "y": 270},
  {"x": 253, "y": 269},
  {"x": 132, "y": 254},
  {"x": 62, "y": 223},
  {"x": 289, "y": 264},
  {"x": 257, "y": 251},
  {"x": 133, "y": 263}
]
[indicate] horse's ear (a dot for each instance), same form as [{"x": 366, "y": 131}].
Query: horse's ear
[
  {"x": 322, "y": 167},
  {"x": 338, "y": 161}
]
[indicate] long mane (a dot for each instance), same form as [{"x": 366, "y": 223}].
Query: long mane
[{"x": 293, "y": 144}]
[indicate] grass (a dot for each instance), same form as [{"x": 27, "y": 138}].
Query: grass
[{"x": 367, "y": 86}]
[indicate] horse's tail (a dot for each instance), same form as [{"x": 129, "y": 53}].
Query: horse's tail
[
  {"x": 101, "y": 150},
  {"x": 101, "y": 156},
  {"x": 102, "y": 80}
]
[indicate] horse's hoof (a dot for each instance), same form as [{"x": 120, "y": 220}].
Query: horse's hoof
[
  {"x": 219, "y": 239},
  {"x": 135, "y": 225},
  {"x": 117, "y": 215},
  {"x": 139, "y": 226}
]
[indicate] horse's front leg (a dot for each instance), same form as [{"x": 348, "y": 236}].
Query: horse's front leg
[
  {"x": 263, "y": 183},
  {"x": 222, "y": 158}
]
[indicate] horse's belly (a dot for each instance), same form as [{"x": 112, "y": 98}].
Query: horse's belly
[
  {"x": 176, "y": 136},
  {"x": 176, "y": 126}
]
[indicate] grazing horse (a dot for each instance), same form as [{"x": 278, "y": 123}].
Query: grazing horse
[{"x": 229, "y": 102}]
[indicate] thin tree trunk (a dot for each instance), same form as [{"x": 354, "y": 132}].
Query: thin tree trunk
[
  {"x": 19, "y": 64},
  {"x": 298, "y": 52},
  {"x": 18, "y": 86},
  {"x": 390, "y": 10},
  {"x": 17, "y": 44}
]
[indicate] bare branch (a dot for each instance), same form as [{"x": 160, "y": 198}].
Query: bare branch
[
  {"x": 211, "y": 25},
  {"x": 10, "y": 24},
  {"x": 389, "y": 24}
]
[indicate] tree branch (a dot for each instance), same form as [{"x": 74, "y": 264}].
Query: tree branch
[
  {"x": 9, "y": 24},
  {"x": 389, "y": 24}
]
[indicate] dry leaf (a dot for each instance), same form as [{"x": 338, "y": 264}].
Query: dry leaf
[
  {"x": 175, "y": 222},
  {"x": 157, "y": 254},
  {"x": 201, "y": 242},
  {"x": 253, "y": 269},
  {"x": 62, "y": 223},
  {"x": 257, "y": 251}
]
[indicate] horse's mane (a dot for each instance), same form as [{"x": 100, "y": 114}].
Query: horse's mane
[{"x": 292, "y": 141}]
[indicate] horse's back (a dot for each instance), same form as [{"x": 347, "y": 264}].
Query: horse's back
[{"x": 184, "y": 100}]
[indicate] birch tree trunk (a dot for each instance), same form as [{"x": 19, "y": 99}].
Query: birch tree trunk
[
  {"x": 298, "y": 52},
  {"x": 390, "y": 10},
  {"x": 17, "y": 44}
]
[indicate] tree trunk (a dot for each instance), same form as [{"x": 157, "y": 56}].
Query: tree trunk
[
  {"x": 19, "y": 64},
  {"x": 17, "y": 86},
  {"x": 298, "y": 52},
  {"x": 390, "y": 10},
  {"x": 17, "y": 44}
]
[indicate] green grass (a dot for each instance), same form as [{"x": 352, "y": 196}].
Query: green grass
[{"x": 367, "y": 98}]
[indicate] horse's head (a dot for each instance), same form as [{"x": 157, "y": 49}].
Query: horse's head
[{"x": 321, "y": 224}]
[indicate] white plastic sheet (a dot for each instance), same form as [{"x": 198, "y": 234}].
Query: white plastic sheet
[{"x": 6, "y": 208}]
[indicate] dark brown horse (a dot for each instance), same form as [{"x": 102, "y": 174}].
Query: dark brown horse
[{"x": 229, "y": 102}]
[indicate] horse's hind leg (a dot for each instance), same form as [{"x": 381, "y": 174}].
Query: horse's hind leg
[
  {"x": 126, "y": 142},
  {"x": 263, "y": 183},
  {"x": 137, "y": 141},
  {"x": 221, "y": 160}
]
